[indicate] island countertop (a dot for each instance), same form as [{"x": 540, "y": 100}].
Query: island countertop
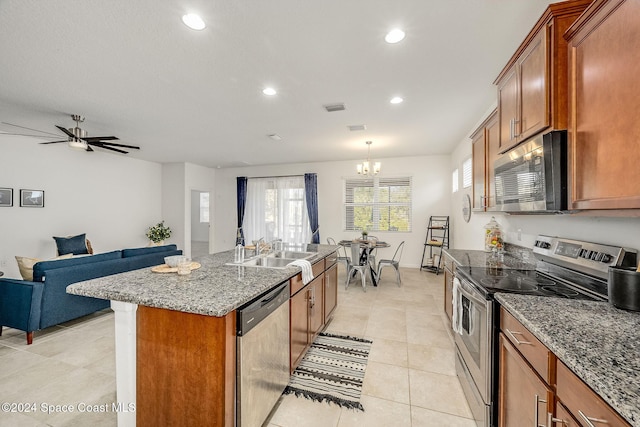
[
  {"x": 597, "y": 341},
  {"x": 215, "y": 289}
]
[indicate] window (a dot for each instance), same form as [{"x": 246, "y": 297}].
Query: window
[
  {"x": 467, "y": 173},
  {"x": 454, "y": 180},
  {"x": 204, "y": 207},
  {"x": 377, "y": 204},
  {"x": 276, "y": 209}
]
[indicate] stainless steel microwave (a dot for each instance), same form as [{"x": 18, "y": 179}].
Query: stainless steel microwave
[{"x": 533, "y": 176}]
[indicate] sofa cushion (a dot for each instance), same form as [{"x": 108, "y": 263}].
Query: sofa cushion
[
  {"x": 26, "y": 264},
  {"x": 39, "y": 270},
  {"x": 76, "y": 245},
  {"x": 126, "y": 253}
]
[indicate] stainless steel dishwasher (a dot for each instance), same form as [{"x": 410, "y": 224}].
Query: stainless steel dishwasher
[{"x": 262, "y": 355}]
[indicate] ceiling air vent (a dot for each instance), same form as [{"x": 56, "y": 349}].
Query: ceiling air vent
[
  {"x": 334, "y": 107},
  {"x": 354, "y": 128}
]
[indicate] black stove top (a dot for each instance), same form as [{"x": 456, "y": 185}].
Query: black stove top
[{"x": 531, "y": 282}]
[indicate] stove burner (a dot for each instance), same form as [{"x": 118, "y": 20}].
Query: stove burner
[
  {"x": 544, "y": 282},
  {"x": 519, "y": 284},
  {"x": 561, "y": 291}
]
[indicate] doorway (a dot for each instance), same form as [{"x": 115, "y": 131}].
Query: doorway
[{"x": 200, "y": 223}]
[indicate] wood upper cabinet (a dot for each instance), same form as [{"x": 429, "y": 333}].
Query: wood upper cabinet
[
  {"x": 523, "y": 398},
  {"x": 485, "y": 146},
  {"x": 604, "y": 130},
  {"x": 532, "y": 88}
]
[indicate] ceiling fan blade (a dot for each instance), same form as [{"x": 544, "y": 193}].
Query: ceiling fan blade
[
  {"x": 99, "y": 138},
  {"x": 54, "y": 142},
  {"x": 24, "y": 127},
  {"x": 66, "y": 131},
  {"x": 119, "y": 145},
  {"x": 108, "y": 148}
]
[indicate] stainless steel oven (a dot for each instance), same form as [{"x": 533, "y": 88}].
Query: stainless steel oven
[{"x": 473, "y": 335}]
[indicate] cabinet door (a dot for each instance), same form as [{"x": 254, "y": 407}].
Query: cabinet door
[
  {"x": 330, "y": 291},
  {"x": 523, "y": 398},
  {"x": 316, "y": 310},
  {"x": 299, "y": 325},
  {"x": 508, "y": 110},
  {"x": 563, "y": 417},
  {"x": 533, "y": 86},
  {"x": 492, "y": 147},
  {"x": 604, "y": 130},
  {"x": 479, "y": 167}
]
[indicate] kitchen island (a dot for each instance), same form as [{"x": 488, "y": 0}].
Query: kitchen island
[
  {"x": 596, "y": 341},
  {"x": 176, "y": 336}
]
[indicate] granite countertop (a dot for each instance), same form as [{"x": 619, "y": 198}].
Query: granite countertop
[
  {"x": 215, "y": 289},
  {"x": 598, "y": 342},
  {"x": 476, "y": 258}
]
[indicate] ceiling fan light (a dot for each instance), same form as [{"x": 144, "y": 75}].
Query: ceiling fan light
[
  {"x": 394, "y": 36},
  {"x": 77, "y": 144}
]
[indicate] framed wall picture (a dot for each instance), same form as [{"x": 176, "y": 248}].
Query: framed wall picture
[
  {"x": 6, "y": 197},
  {"x": 32, "y": 198}
]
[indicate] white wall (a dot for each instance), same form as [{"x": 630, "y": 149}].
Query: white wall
[
  {"x": 430, "y": 197},
  {"x": 178, "y": 180},
  {"x": 112, "y": 198},
  {"x": 614, "y": 231}
]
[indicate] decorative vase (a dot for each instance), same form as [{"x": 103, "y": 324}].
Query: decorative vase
[{"x": 160, "y": 243}]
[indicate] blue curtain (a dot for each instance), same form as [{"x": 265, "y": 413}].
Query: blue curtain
[
  {"x": 242, "y": 201},
  {"x": 311, "y": 193}
]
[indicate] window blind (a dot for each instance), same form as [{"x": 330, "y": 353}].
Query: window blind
[
  {"x": 377, "y": 204},
  {"x": 467, "y": 173}
]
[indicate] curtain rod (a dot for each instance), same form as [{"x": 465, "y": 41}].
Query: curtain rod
[{"x": 277, "y": 176}]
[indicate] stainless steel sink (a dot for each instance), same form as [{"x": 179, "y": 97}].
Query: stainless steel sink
[
  {"x": 268, "y": 262},
  {"x": 291, "y": 255}
]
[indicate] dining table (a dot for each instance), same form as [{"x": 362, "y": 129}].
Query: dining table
[{"x": 366, "y": 247}]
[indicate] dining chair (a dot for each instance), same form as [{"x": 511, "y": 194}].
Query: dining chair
[
  {"x": 373, "y": 252},
  {"x": 342, "y": 253},
  {"x": 394, "y": 262},
  {"x": 357, "y": 267}
]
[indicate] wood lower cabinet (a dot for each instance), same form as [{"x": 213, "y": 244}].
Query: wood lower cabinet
[
  {"x": 532, "y": 87},
  {"x": 186, "y": 368},
  {"x": 604, "y": 130},
  {"x": 485, "y": 146},
  {"x": 330, "y": 291},
  {"x": 523, "y": 398},
  {"x": 310, "y": 306},
  {"x": 583, "y": 403},
  {"x": 528, "y": 374}
]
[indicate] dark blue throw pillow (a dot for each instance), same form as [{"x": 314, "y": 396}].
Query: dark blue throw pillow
[{"x": 76, "y": 245}]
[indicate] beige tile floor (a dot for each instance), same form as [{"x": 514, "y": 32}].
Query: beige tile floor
[{"x": 410, "y": 378}]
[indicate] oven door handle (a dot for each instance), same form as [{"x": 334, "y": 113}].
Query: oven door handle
[{"x": 468, "y": 291}]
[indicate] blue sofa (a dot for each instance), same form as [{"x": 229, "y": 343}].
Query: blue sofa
[{"x": 31, "y": 306}]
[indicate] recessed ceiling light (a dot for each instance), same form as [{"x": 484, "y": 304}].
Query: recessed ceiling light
[
  {"x": 269, "y": 91},
  {"x": 394, "y": 36},
  {"x": 396, "y": 100},
  {"x": 193, "y": 21}
]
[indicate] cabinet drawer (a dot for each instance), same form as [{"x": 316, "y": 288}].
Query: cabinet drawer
[
  {"x": 583, "y": 402},
  {"x": 296, "y": 281},
  {"x": 538, "y": 356},
  {"x": 330, "y": 260}
]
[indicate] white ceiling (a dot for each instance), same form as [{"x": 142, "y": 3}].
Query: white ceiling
[{"x": 135, "y": 71}]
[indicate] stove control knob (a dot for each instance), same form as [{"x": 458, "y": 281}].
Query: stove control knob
[
  {"x": 606, "y": 258},
  {"x": 594, "y": 255},
  {"x": 542, "y": 244}
]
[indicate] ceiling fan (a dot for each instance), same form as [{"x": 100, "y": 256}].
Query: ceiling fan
[{"x": 77, "y": 137}]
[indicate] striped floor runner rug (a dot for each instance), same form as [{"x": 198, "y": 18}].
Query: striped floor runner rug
[{"x": 332, "y": 371}]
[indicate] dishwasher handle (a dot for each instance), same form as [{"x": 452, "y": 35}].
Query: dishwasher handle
[{"x": 258, "y": 309}]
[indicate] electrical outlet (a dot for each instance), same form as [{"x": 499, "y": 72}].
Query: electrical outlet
[{"x": 519, "y": 234}]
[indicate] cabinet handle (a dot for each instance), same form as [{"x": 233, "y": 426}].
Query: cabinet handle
[
  {"x": 513, "y": 337},
  {"x": 511, "y": 129},
  {"x": 515, "y": 135},
  {"x": 591, "y": 420},
  {"x": 551, "y": 420},
  {"x": 535, "y": 411}
]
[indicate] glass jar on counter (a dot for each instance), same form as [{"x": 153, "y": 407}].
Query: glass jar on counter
[{"x": 493, "y": 236}]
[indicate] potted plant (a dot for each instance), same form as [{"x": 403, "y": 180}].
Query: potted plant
[
  {"x": 365, "y": 233},
  {"x": 158, "y": 233}
]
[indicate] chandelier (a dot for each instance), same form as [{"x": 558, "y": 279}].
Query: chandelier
[{"x": 365, "y": 168}]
